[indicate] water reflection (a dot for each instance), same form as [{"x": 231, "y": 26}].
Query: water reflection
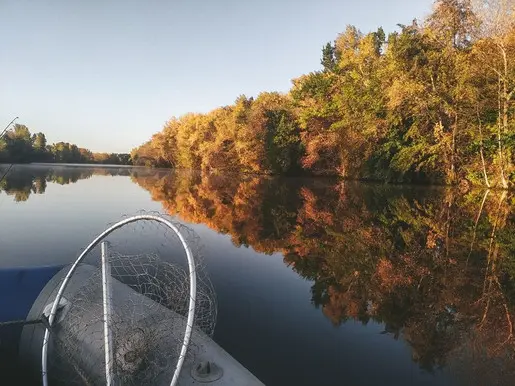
[
  {"x": 23, "y": 180},
  {"x": 435, "y": 267}
]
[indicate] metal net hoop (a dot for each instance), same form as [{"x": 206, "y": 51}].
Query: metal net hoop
[{"x": 98, "y": 240}]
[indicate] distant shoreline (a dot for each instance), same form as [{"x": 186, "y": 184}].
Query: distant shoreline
[{"x": 74, "y": 165}]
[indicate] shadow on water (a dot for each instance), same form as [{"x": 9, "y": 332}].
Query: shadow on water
[{"x": 434, "y": 267}]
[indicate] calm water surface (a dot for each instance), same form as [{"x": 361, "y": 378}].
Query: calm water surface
[{"x": 319, "y": 282}]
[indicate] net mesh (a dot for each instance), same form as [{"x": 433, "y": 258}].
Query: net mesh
[{"x": 149, "y": 293}]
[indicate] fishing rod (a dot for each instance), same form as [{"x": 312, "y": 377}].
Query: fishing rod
[
  {"x": 7, "y": 127},
  {"x": 1, "y": 135}
]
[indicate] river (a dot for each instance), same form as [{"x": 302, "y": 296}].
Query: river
[{"x": 318, "y": 281}]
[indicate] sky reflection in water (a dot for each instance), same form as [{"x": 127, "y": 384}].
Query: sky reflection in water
[{"x": 318, "y": 281}]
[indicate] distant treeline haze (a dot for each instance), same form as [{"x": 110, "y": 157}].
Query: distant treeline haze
[
  {"x": 430, "y": 102},
  {"x": 20, "y": 146}
]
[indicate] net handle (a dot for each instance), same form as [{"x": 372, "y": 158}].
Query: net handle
[{"x": 93, "y": 244}]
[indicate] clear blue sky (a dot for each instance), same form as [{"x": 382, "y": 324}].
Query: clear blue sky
[{"x": 106, "y": 75}]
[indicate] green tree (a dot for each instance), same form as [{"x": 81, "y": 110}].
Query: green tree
[
  {"x": 39, "y": 142},
  {"x": 19, "y": 144},
  {"x": 328, "y": 57}
]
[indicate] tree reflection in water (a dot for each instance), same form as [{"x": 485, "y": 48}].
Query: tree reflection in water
[
  {"x": 23, "y": 180},
  {"x": 435, "y": 266}
]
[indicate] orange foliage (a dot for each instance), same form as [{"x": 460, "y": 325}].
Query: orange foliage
[{"x": 404, "y": 271}]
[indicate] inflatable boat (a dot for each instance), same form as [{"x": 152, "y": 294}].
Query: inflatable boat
[{"x": 83, "y": 324}]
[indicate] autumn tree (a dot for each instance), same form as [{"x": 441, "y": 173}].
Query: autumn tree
[
  {"x": 452, "y": 27},
  {"x": 431, "y": 102},
  {"x": 317, "y": 111},
  {"x": 496, "y": 54},
  {"x": 360, "y": 99},
  {"x": 39, "y": 142}
]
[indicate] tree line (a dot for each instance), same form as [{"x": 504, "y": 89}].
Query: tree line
[
  {"x": 20, "y": 146},
  {"x": 431, "y": 102}
]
